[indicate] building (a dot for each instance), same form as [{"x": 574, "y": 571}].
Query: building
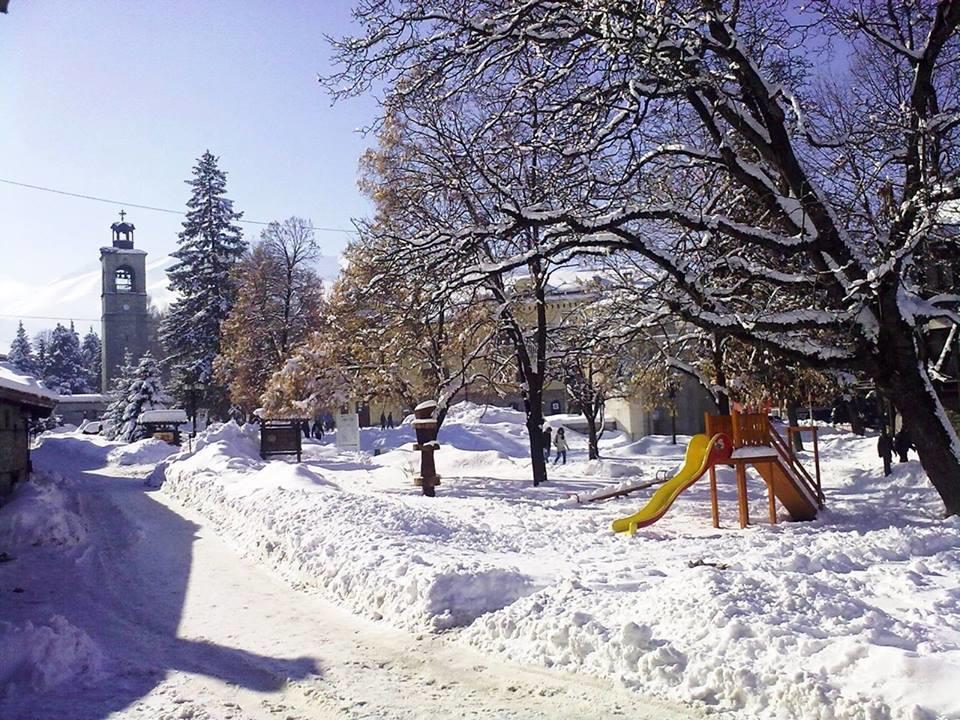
[
  {"x": 567, "y": 292},
  {"x": 22, "y": 399},
  {"x": 126, "y": 325},
  {"x": 75, "y": 409}
]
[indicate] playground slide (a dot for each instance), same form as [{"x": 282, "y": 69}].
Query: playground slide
[
  {"x": 696, "y": 462},
  {"x": 788, "y": 489}
]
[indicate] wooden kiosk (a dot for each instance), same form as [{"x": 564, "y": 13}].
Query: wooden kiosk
[{"x": 757, "y": 443}]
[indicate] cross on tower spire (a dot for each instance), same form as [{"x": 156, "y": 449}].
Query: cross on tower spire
[{"x": 123, "y": 214}]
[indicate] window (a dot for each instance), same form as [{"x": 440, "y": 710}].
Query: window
[{"x": 123, "y": 280}]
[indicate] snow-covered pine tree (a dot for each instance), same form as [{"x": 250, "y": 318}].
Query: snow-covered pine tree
[
  {"x": 209, "y": 246},
  {"x": 113, "y": 415},
  {"x": 145, "y": 392},
  {"x": 40, "y": 355},
  {"x": 21, "y": 352},
  {"x": 65, "y": 370},
  {"x": 90, "y": 350}
]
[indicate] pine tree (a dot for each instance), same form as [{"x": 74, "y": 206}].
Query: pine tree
[
  {"x": 145, "y": 392},
  {"x": 209, "y": 245},
  {"x": 65, "y": 370},
  {"x": 41, "y": 358},
  {"x": 113, "y": 415},
  {"x": 91, "y": 349},
  {"x": 21, "y": 352}
]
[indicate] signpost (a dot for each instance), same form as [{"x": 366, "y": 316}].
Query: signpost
[
  {"x": 281, "y": 437},
  {"x": 348, "y": 431}
]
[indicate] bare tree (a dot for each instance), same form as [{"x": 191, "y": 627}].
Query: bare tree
[{"x": 715, "y": 152}]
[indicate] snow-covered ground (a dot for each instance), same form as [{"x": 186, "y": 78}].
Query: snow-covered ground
[
  {"x": 854, "y": 615},
  {"x": 117, "y": 602}
]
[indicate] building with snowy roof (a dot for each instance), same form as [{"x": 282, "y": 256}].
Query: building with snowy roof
[{"x": 22, "y": 400}]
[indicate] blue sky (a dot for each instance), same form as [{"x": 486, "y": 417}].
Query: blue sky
[{"x": 117, "y": 99}]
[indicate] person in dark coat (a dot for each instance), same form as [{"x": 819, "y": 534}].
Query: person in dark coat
[
  {"x": 305, "y": 427},
  {"x": 546, "y": 443},
  {"x": 902, "y": 444},
  {"x": 390, "y": 419},
  {"x": 318, "y": 429},
  {"x": 383, "y": 421},
  {"x": 885, "y": 450}
]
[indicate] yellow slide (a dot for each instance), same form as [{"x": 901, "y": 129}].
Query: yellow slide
[{"x": 696, "y": 461}]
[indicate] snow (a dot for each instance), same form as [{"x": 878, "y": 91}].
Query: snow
[
  {"x": 40, "y": 513},
  {"x": 854, "y": 615},
  {"x": 39, "y": 658},
  {"x": 756, "y": 451},
  {"x": 151, "y": 614},
  {"x": 163, "y": 416},
  {"x": 148, "y": 451},
  {"x": 14, "y": 379}
]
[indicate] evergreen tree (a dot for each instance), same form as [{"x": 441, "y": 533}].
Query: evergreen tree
[
  {"x": 113, "y": 415},
  {"x": 91, "y": 349},
  {"x": 209, "y": 245},
  {"x": 41, "y": 357},
  {"x": 65, "y": 370},
  {"x": 144, "y": 392},
  {"x": 21, "y": 352}
]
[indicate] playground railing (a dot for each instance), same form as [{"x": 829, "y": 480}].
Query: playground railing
[
  {"x": 750, "y": 429},
  {"x": 786, "y": 453}
]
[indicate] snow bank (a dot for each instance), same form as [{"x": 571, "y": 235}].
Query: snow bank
[
  {"x": 40, "y": 513},
  {"x": 148, "y": 451},
  {"x": 855, "y": 615},
  {"x": 385, "y": 557},
  {"x": 38, "y": 658},
  {"x": 92, "y": 450}
]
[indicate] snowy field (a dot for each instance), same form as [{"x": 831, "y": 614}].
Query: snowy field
[{"x": 855, "y": 615}]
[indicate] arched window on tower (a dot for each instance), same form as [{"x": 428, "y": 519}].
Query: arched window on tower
[{"x": 123, "y": 279}]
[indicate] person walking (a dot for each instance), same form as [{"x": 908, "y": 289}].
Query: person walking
[
  {"x": 383, "y": 421},
  {"x": 547, "y": 431},
  {"x": 390, "y": 419},
  {"x": 318, "y": 429},
  {"x": 560, "y": 442},
  {"x": 885, "y": 449},
  {"x": 902, "y": 444}
]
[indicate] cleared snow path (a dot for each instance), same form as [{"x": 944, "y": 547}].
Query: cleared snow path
[{"x": 160, "y": 618}]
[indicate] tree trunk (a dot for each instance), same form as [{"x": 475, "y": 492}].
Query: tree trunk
[
  {"x": 723, "y": 397},
  {"x": 533, "y": 404},
  {"x": 593, "y": 440},
  {"x": 793, "y": 421},
  {"x": 535, "y": 431},
  {"x": 901, "y": 375}
]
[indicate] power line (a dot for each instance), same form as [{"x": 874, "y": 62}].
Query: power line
[{"x": 147, "y": 207}]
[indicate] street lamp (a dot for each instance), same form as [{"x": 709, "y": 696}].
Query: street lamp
[{"x": 194, "y": 390}]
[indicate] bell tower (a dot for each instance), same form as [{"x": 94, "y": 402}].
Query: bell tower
[{"x": 124, "y": 318}]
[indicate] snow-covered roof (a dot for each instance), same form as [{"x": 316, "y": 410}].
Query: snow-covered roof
[
  {"x": 127, "y": 251},
  {"x": 174, "y": 415},
  {"x": 83, "y": 398},
  {"x": 25, "y": 388}
]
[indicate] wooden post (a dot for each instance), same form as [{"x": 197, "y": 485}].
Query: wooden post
[
  {"x": 735, "y": 428},
  {"x": 816, "y": 466},
  {"x": 771, "y": 498},
  {"x": 714, "y": 504},
  {"x": 742, "y": 494}
]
